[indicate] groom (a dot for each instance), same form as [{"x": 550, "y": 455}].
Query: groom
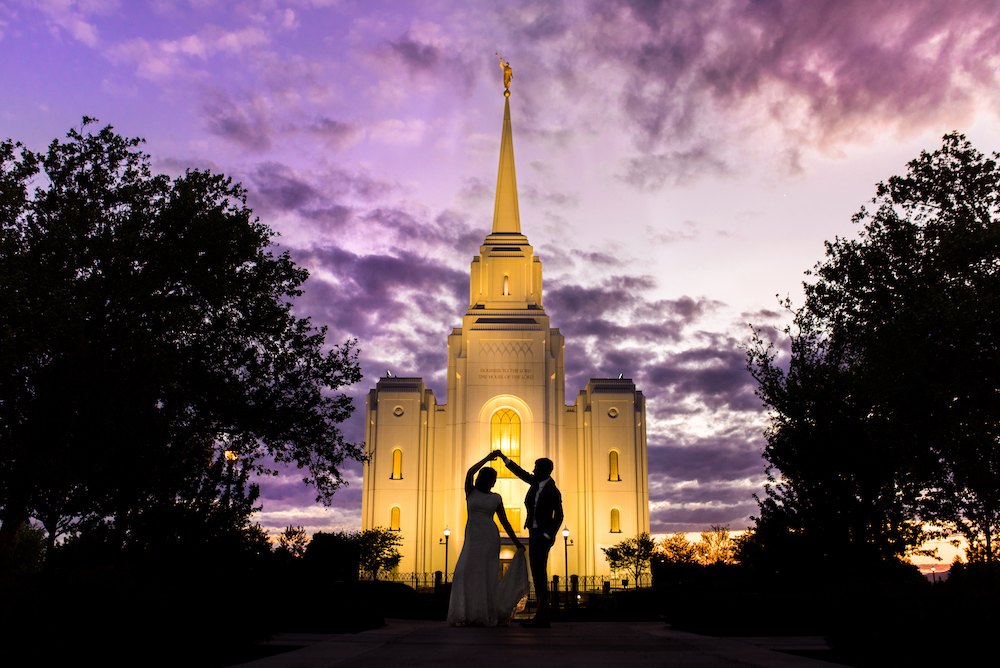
[{"x": 545, "y": 516}]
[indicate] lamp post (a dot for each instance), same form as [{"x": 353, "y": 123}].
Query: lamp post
[
  {"x": 934, "y": 574},
  {"x": 447, "y": 535},
  {"x": 231, "y": 457},
  {"x": 566, "y": 543}
]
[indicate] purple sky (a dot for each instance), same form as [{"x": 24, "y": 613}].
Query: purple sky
[{"x": 679, "y": 164}]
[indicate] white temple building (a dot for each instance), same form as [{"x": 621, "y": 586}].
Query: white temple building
[{"x": 506, "y": 390}]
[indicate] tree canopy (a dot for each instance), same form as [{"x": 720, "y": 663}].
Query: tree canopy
[
  {"x": 677, "y": 549},
  {"x": 887, "y": 415},
  {"x": 631, "y": 555},
  {"x": 146, "y": 328}
]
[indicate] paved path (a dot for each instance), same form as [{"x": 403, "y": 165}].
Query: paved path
[{"x": 403, "y": 643}]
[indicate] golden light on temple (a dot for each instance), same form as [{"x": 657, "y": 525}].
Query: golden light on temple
[
  {"x": 506, "y": 391},
  {"x": 505, "y": 436}
]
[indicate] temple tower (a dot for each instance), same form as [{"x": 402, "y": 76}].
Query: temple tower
[{"x": 506, "y": 390}]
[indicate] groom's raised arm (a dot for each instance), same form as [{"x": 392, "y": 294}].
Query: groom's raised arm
[{"x": 517, "y": 470}]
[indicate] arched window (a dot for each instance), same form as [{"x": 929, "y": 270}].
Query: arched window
[
  {"x": 505, "y": 436},
  {"x": 397, "y": 465},
  {"x": 616, "y": 521},
  {"x": 394, "y": 519},
  {"x": 506, "y": 284},
  {"x": 613, "y": 467}
]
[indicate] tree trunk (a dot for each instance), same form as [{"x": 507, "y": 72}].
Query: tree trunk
[
  {"x": 51, "y": 528},
  {"x": 13, "y": 516},
  {"x": 989, "y": 544}
]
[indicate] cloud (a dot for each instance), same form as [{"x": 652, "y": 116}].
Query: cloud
[
  {"x": 732, "y": 454},
  {"x": 280, "y": 187},
  {"x": 652, "y": 172},
  {"x": 337, "y": 134},
  {"x": 846, "y": 64},
  {"x": 543, "y": 21},
  {"x": 164, "y": 59},
  {"x": 366, "y": 295},
  {"x": 427, "y": 55},
  {"x": 177, "y": 166},
  {"x": 329, "y": 198},
  {"x": 397, "y": 131},
  {"x": 557, "y": 199},
  {"x": 715, "y": 374},
  {"x": 72, "y": 17},
  {"x": 244, "y": 121}
]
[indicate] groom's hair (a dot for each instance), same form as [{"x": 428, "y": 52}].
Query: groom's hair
[
  {"x": 544, "y": 466},
  {"x": 486, "y": 478}
]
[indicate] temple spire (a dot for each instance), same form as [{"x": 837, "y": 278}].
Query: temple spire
[{"x": 505, "y": 213}]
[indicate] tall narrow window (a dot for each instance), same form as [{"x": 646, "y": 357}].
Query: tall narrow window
[
  {"x": 506, "y": 284},
  {"x": 505, "y": 436},
  {"x": 616, "y": 522},
  {"x": 394, "y": 519},
  {"x": 397, "y": 465},
  {"x": 513, "y": 516},
  {"x": 613, "y": 467}
]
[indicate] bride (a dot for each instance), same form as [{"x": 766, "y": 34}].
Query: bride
[{"x": 477, "y": 596}]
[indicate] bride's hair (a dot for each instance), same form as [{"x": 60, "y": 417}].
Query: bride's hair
[{"x": 486, "y": 479}]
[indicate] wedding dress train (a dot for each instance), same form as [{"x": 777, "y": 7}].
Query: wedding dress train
[{"x": 477, "y": 596}]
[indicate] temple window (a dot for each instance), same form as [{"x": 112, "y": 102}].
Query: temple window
[
  {"x": 506, "y": 284},
  {"x": 613, "y": 467},
  {"x": 397, "y": 465},
  {"x": 513, "y": 516},
  {"x": 394, "y": 519},
  {"x": 616, "y": 522},
  {"x": 505, "y": 436}
]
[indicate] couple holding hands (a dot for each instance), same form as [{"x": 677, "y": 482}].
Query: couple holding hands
[{"x": 478, "y": 596}]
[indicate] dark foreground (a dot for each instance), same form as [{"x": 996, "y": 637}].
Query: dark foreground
[{"x": 433, "y": 643}]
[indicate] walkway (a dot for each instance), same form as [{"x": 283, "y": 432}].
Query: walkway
[{"x": 418, "y": 643}]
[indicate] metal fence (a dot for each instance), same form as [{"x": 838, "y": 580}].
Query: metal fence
[
  {"x": 416, "y": 580},
  {"x": 600, "y": 584}
]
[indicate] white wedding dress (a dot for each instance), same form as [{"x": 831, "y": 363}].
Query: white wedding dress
[{"x": 476, "y": 590}]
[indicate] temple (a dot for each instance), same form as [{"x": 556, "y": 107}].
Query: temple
[{"x": 506, "y": 390}]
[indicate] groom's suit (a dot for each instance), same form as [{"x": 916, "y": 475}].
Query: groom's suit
[{"x": 545, "y": 516}]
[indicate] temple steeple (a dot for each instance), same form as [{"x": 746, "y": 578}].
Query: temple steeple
[{"x": 506, "y": 219}]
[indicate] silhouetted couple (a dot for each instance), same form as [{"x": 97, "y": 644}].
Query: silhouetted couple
[{"x": 478, "y": 596}]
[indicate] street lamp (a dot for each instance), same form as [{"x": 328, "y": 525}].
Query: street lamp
[
  {"x": 566, "y": 543},
  {"x": 934, "y": 574},
  {"x": 447, "y": 534},
  {"x": 231, "y": 456}
]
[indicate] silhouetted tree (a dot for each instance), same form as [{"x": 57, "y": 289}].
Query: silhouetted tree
[
  {"x": 293, "y": 541},
  {"x": 145, "y": 327},
  {"x": 30, "y": 552},
  {"x": 888, "y": 414},
  {"x": 631, "y": 555},
  {"x": 377, "y": 550},
  {"x": 715, "y": 546},
  {"x": 677, "y": 549},
  {"x": 184, "y": 533},
  {"x": 336, "y": 555}
]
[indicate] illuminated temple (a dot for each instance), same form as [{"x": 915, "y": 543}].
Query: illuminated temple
[{"x": 506, "y": 390}]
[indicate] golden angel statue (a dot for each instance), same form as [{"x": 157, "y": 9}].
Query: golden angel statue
[{"x": 508, "y": 73}]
